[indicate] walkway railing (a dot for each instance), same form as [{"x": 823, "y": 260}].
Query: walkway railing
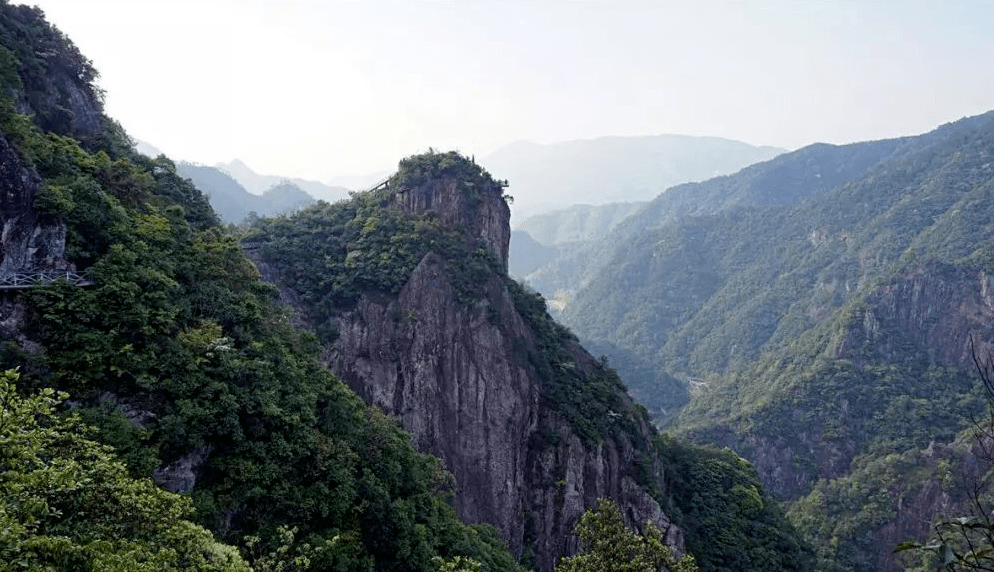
[
  {"x": 40, "y": 278},
  {"x": 381, "y": 185}
]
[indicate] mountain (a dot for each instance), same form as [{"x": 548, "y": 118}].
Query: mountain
[
  {"x": 198, "y": 430},
  {"x": 822, "y": 310},
  {"x": 160, "y": 411},
  {"x": 258, "y": 184},
  {"x": 779, "y": 181},
  {"x": 578, "y": 223},
  {"x": 543, "y": 245},
  {"x": 614, "y": 169},
  {"x": 406, "y": 288},
  {"x": 147, "y": 149},
  {"x": 525, "y": 254},
  {"x": 233, "y": 203}
]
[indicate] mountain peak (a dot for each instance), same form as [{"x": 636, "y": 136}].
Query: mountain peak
[{"x": 460, "y": 192}]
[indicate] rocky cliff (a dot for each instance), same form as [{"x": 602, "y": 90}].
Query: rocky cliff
[
  {"x": 30, "y": 240},
  {"x": 451, "y": 376},
  {"x": 42, "y": 75},
  {"x": 471, "y": 379}
]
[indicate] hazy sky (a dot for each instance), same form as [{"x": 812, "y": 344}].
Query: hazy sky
[{"x": 319, "y": 88}]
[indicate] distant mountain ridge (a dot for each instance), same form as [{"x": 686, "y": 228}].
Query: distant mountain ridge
[
  {"x": 818, "y": 313},
  {"x": 256, "y": 183},
  {"x": 233, "y": 203},
  {"x": 779, "y": 181},
  {"x": 577, "y": 222},
  {"x": 614, "y": 169},
  {"x": 539, "y": 240}
]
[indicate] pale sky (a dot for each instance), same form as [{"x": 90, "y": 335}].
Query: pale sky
[{"x": 319, "y": 89}]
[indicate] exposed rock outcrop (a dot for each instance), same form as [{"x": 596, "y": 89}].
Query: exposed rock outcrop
[
  {"x": 450, "y": 375},
  {"x": 30, "y": 239},
  {"x": 481, "y": 214},
  {"x": 458, "y": 377},
  {"x": 946, "y": 309}
]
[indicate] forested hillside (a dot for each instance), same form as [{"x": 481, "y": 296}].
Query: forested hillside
[
  {"x": 821, "y": 330},
  {"x": 407, "y": 288},
  {"x": 179, "y": 357}
]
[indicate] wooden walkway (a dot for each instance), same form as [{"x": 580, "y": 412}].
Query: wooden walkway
[{"x": 29, "y": 279}]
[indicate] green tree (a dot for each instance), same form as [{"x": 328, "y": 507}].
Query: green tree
[
  {"x": 69, "y": 504},
  {"x": 607, "y": 545}
]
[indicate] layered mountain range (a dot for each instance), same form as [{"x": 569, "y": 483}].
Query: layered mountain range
[
  {"x": 816, "y": 312},
  {"x": 613, "y": 169},
  {"x": 263, "y": 430},
  {"x": 233, "y": 203}
]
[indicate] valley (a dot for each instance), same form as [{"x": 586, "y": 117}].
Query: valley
[{"x": 684, "y": 353}]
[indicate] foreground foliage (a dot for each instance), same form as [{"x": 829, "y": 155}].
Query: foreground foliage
[
  {"x": 69, "y": 504},
  {"x": 607, "y": 545}
]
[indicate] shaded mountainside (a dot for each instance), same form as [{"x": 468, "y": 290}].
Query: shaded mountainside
[
  {"x": 525, "y": 254},
  {"x": 407, "y": 288},
  {"x": 233, "y": 203},
  {"x": 819, "y": 336},
  {"x": 538, "y": 241},
  {"x": 180, "y": 358}
]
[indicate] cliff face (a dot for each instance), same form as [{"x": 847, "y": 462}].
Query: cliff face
[
  {"x": 30, "y": 240},
  {"x": 46, "y": 77},
  {"x": 482, "y": 215},
  {"x": 935, "y": 306},
  {"x": 450, "y": 375},
  {"x": 459, "y": 379}
]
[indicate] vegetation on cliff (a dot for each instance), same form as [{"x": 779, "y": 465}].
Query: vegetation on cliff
[
  {"x": 329, "y": 255},
  {"x": 69, "y": 503},
  {"x": 182, "y": 358}
]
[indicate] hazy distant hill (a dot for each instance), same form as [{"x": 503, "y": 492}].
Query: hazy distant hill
[
  {"x": 233, "y": 203},
  {"x": 550, "y": 250},
  {"x": 525, "y": 254},
  {"x": 577, "y": 223},
  {"x": 614, "y": 169},
  {"x": 820, "y": 311},
  {"x": 257, "y": 184},
  {"x": 147, "y": 149}
]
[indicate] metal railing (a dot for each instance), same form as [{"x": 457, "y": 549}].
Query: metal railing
[
  {"x": 381, "y": 185},
  {"x": 42, "y": 277}
]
